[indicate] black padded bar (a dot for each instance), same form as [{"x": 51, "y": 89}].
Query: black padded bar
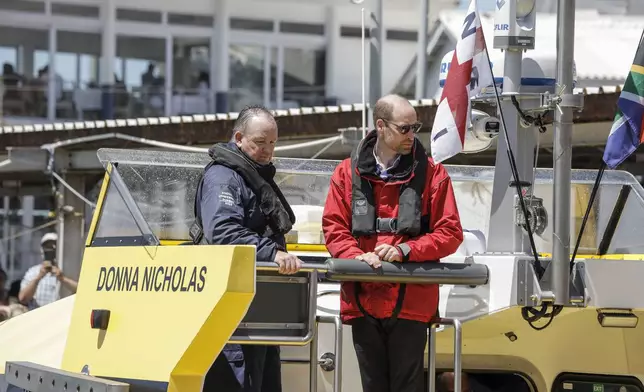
[
  {"x": 352, "y": 270},
  {"x": 306, "y": 267}
]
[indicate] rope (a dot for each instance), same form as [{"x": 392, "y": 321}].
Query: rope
[
  {"x": 312, "y": 143},
  {"x": 317, "y": 154},
  {"x": 29, "y": 231},
  {"x": 72, "y": 190},
  {"x": 171, "y": 146}
]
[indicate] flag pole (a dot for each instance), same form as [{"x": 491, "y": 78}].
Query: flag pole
[
  {"x": 593, "y": 194},
  {"x": 363, "y": 76}
]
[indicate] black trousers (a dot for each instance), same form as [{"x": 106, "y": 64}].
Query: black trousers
[
  {"x": 390, "y": 354},
  {"x": 263, "y": 372}
]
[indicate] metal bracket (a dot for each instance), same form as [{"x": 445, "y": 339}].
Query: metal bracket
[
  {"x": 532, "y": 292},
  {"x": 38, "y": 378},
  {"x": 559, "y": 100},
  {"x": 578, "y": 291},
  {"x": 327, "y": 362},
  {"x": 529, "y": 292}
]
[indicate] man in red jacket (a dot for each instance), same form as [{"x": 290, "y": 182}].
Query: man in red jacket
[{"x": 390, "y": 202}]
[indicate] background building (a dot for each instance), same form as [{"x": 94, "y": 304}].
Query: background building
[{"x": 279, "y": 53}]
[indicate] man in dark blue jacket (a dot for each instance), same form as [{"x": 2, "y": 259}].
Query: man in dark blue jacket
[{"x": 239, "y": 203}]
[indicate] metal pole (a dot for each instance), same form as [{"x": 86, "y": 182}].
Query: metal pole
[
  {"x": 376, "y": 39},
  {"x": 60, "y": 244},
  {"x": 512, "y": 84},
  {"x": 12, "y": 252},
  {"x": 1, "y": 102},
  {"x": 504, "y": 235},
  {"x": 431, "y": 359},
  {"x": 108, "y": 43},
  {"x": 221, "y": 62},
  {"x": 313, "y": 365},
  {"x": 458, "y": 343},
  {"x": 337, "y": 376},
  {"x": 52, "y": 83},
  {"x": 562, "y": 154},
  {"x": 4, "y": 255},
  {"x": 363, "y": 77},
  {"x": 421, "y": 57}
]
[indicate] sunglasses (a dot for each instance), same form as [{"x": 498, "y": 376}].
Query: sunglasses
[{"x": 405, "y": 128}]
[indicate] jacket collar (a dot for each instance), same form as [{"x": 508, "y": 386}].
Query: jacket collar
[
  {"x": 267, "y": 171},
  {"x": 368, "y": 166}
]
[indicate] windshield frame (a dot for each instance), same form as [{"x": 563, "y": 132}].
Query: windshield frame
[{"x": 460, "y": 175}]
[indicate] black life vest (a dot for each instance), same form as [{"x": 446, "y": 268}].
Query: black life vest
[
  {"x": 272, "y": 203},
  {"x": 363, "y": 210},
  {"x": 410, "y": 220}
]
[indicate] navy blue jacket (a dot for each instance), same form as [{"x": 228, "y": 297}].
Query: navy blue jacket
[{"x": 230, "y": 214}]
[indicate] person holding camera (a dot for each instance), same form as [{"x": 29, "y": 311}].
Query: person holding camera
[{"x": 42, "y": 282}]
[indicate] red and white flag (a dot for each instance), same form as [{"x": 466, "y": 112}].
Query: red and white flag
[{"x": 469, "y": 72}]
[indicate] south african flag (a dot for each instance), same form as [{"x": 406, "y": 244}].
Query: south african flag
[{"x": 627, "y": 132}]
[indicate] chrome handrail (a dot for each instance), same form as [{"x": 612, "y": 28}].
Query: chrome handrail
[
  {"x": 431, "y": 352},
  {"x": 337, "y": 360}
]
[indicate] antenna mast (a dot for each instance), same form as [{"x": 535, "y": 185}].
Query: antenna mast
[
  {"x": 363, "y": 77},
  {"x": 562, "y": 153},
  {"x": 376, "y": 39},
  {"x": 421, "y": 57},
  {"x": 514, "y": 33},
  {"x": 375, "y": 59}
]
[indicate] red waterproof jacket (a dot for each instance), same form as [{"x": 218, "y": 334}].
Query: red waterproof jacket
[{"x": 445, "y": 236}]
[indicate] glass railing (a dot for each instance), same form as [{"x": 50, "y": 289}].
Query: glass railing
[
  {"x": 163, "y": 185},
  {"x": 29, "y": 103}
]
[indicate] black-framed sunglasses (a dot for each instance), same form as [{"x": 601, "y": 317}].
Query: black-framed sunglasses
[{"x": 406, "y": 128}]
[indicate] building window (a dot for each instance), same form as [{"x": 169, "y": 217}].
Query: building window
[
  {"x": 85, "y": 11},
  {"x": 23, "y": 5},
  {"x": 190, "y": 20},
  {"x": 135, "y": 55},
  {"x": 66, "y": 65},
  {"x": 246, "y": 76},
  {"x": 254, "y": 78},
  {"x": 9, "y": 54},
  {"x": 301, "y": 28},
  {"x": 402, "y": 35},
  {"x": 251, "y": 24},
  {"x": 132, "y": 15},
  {"x": 304, "y": 77},
  {"x": 353, "y": 32}
]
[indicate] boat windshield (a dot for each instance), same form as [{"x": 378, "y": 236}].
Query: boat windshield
[{"x": 163, "y": 184}]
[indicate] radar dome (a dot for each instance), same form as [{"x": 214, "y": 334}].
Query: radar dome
[{"x": 538, "y": 74}]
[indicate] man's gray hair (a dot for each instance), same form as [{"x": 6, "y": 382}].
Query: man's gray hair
[{"x": 247, "y": 114}]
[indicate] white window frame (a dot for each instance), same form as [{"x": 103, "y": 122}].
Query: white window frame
[{"x": 267, "y": 40}]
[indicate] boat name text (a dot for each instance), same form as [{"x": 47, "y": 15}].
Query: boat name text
[{"x": 158, "y": 278}]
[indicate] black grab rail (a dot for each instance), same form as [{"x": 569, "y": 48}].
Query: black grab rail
[
  {"x": 350, "y": 270},
  {"x": 353, "y": 270}
]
